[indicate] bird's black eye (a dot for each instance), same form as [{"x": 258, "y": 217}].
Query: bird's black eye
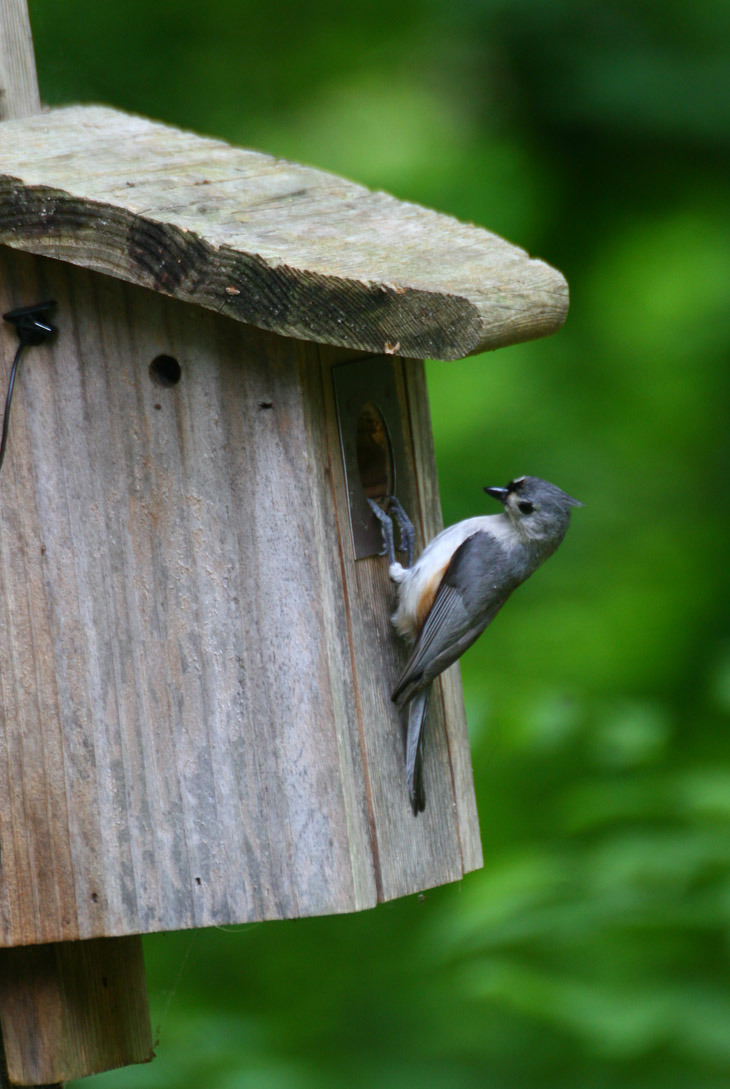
[{"x": 526, "y": 508}]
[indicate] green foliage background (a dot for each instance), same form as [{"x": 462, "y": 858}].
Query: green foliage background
[{"x": 592, "y": 951}]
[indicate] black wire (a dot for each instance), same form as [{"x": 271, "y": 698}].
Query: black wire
[{"x": 8, "y": 400}]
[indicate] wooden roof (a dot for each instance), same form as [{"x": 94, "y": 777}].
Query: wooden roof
[{"x": 284, "y": 247}]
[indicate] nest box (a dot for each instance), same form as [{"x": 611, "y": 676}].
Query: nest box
[{"x": 196, "y": 657}]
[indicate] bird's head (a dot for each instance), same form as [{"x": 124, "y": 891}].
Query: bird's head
[{"x": 539, "y": 511}]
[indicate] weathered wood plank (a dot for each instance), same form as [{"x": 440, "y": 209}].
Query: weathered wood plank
[
  {"x": 442, "y": 843},
  {"x": 19, "y": 96},
  {"x": 71, "y": 1009},
  {"x": 451, "y": 691},
  {"x": 285, "y": 247},
  {"x": 169, "y": 745},
  {"x": 326, "y": 536}
]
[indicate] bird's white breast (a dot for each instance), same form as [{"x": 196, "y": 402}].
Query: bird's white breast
[{"x": 417, "y": 585}]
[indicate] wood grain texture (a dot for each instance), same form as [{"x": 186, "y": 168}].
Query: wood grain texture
[
  {"x": 442, "y": 843},
  {"x": 71, "y": 1009},
  {"x": 18, "y": 81},
  {"x": 452, "y": 696},
  {"x": 284, "y": 247},
  {"x": 171, "y": 746},
  {"x": 195, "y": 722}
]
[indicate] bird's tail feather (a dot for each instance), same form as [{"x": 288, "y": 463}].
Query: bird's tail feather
[{"x": 417, "y": 714}]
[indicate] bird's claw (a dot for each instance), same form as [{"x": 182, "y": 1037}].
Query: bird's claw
[
  {"x": 407, "y": 532},
  {"x": 405, "y": 528},
  {"x": 386, "y": 528}
]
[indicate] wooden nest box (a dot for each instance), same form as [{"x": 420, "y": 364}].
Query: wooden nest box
[{"x": 196, "y": 657}]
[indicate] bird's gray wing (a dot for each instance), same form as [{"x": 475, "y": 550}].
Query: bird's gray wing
[{"x": 476, "y": 584}]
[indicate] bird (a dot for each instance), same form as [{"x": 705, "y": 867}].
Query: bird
[{"x": 457, "y": 586}]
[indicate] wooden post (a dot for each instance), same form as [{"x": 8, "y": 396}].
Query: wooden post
[
  {"x": 18, "y": 82},
  {"x": 67, "y": 1009}
]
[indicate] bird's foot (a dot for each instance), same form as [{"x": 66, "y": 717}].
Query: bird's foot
[
  {"x": 407, "y": 532},
  {"x": 386, "y": 528}
]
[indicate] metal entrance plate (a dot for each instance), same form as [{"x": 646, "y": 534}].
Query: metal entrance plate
[{"x": 371, "y": 437}]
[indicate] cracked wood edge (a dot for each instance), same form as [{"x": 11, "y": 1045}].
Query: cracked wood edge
[{"x": 284, "y": 247}]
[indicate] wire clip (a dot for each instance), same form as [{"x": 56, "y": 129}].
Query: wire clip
[{"x": 32, "y": 328}]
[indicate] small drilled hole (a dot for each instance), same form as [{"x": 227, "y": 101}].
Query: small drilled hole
[
  {"x": 165, "y": 371},
  {"x": 374, "y": 453}
]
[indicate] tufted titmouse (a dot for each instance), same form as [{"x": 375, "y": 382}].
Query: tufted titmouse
[{"x": 458, "y": 585}]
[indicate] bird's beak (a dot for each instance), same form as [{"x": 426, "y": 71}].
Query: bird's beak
[{"x": 498, "y": 493}]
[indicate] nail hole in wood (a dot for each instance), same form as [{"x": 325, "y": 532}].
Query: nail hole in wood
[{"x": 165, "y": 371}]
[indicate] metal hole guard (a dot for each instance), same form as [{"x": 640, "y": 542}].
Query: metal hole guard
[
  {"x": 359, "y": 385},
  {"x": 32, "y": 328}
]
